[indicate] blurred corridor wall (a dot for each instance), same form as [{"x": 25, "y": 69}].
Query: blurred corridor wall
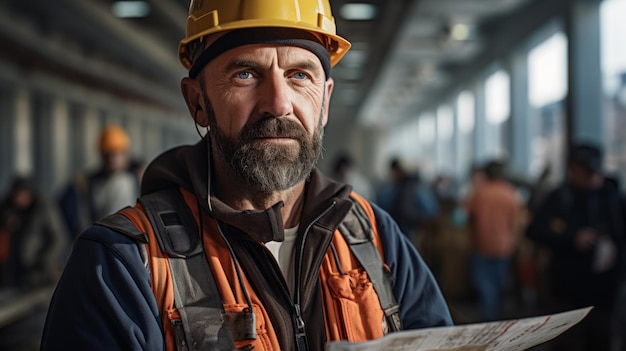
[{"x": 49, "y": 126}]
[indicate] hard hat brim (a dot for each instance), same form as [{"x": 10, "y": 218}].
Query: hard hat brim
[{"x": 336, "y": 45}]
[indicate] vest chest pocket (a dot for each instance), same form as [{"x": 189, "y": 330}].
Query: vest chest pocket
[{"x": 355, "y": 306}]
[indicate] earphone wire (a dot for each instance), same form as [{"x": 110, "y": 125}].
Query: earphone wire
[{"x": 219, "y": 227}]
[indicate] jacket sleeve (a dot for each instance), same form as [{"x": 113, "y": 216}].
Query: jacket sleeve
[
  {"x": 421, "y": 302},
  {"x": 103, "y": 299}
]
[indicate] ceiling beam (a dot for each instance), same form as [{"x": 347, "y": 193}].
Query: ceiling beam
[
  {"x": 173, "y": 12},
  {"x": 34, "y": 48},
  {"x": 130, "y": 36}
]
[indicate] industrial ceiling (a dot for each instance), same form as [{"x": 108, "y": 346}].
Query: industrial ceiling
[{"x": 401, "y": 58}]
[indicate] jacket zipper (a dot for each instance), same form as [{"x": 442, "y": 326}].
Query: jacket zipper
[
  {"x": 301, "y": 341},
  {"x": 297, "y": 321}
]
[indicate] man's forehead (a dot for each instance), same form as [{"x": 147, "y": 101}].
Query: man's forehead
[
  {"x": 265, "y": 53},
  {"x": 284, "y": 51}
]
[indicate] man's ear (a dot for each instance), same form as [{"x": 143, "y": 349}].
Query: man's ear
[
  {"x": 193, "y": 94},
  {"x": 330, "y": 84}
]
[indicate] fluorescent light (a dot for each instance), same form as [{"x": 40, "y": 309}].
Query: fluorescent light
[
  {"x": 460, "y": 32},
  {"x": 463, "y": 32},
  {"x": 130, "y": 9},
  {"x": 358, "y": 11}
]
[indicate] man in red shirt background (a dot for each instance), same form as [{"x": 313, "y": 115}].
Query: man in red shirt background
[{"x": 493, "y": 208}]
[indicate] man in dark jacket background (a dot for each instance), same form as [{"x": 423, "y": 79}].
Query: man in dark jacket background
[{"x": 581, "y": 224}]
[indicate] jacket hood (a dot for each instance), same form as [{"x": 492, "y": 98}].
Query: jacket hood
[
  {"x": 187, "y": 167},
  {"x": 184, "y": 166}
]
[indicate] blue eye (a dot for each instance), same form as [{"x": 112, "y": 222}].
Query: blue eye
[
  {"x": 300, "y": 75},
  {"x": 244, "y": 75}
]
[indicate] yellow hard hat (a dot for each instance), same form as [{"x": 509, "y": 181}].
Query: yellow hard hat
[
  {"x": 114, "y": 139},
  {"x": 216, "y": 16}
]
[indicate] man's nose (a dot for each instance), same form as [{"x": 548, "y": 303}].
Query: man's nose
[{"x": 275, "y": 96}]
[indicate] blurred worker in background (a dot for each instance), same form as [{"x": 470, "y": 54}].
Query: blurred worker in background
[
  {"x": 493, "y": 209},
  {"x": 239, "y": 241},
  {"x": 476, "y": 177},
  {"x": 411, "y": 204},
  {"x": 581, "y": 224},
  {"x": 32, "y": 237},
  {"x": 113, "y": 186},
  {"x": 345, "y": 171}
]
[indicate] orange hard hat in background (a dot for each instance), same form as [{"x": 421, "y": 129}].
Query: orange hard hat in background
[{"x": 114, "y": 139}]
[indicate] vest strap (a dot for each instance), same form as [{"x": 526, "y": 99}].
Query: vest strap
[
  {"x": 357, "y": 230},
  {"x": 196, "y": 296}
]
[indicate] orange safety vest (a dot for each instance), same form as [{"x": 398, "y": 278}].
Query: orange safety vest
[{"x": 352, "y": 310}]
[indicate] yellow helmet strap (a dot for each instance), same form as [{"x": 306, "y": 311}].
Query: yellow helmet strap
[{"x": 269, "y": 35}]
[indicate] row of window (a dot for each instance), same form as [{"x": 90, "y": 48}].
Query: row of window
[{"x": 476, "y": 124}]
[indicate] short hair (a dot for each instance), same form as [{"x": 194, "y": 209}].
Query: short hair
[
  {"x": 588, "y": 155},
  {"x": 494, "y": 170}
]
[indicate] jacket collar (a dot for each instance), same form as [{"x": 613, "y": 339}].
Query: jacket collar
[{"x": 187, "y": 167}]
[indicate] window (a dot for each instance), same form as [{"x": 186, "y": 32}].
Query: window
[
  {"x": 466, "y": 117},
  {"x": 445, "y": 145},
  {"x": 614, "y": 75},
  {"x": 547, "y": 70},
  {"x": 427, "y": 133},
  {"x": 404, "y": 143},
  {"x": 547, "y": 82},
  {"x": 497, "y": 111}
]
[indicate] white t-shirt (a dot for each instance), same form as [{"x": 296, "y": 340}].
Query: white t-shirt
[{"x": 283, "y": 251}]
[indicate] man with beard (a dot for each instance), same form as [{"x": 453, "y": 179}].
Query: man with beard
[{"x": 239, "y": 242}]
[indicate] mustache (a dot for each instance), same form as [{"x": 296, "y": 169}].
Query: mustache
[{"x": 273, "y": 127}]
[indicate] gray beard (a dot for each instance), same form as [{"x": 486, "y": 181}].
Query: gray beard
[{"x": 266, "y": 166}]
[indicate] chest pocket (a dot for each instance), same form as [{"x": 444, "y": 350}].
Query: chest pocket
[{"x": 359, "y": 302}]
